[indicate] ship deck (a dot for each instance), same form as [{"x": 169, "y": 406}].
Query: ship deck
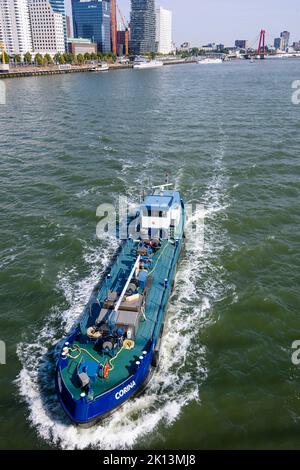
[{"x": 124, "y": 364}]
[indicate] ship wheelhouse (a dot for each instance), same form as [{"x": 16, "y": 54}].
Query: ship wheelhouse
[{"x": 161, "y": 215}]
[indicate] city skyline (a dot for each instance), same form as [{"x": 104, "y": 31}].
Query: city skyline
[
  {"x": 152, "y": 27},
  {"x": 218, "y": 22}
]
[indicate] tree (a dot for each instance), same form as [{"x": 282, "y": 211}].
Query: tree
[
  {"x": 47, "y": 59},
  {"x": 69, "y": 57},
  {"x": 18, "y": 59},
  {"x": 195, "y": 51},
  {"x": 114, "y": 57},
  {"x": 59, "y": 59},
  {"x": 87, "y": 56},
  {"x": 108, "y": 56},
  {"x": 152, "y": 55},
  {"x": 80, "y": 59},
  {"x": 38, "y": 59},
  {"x": 27, "y": 58},
  {"x": 93, "y": 56}
]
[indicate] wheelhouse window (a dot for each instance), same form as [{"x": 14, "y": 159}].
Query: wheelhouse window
[{"x": 155, "y": 213}]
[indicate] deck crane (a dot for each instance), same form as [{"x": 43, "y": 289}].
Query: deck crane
[{"x": 126, "y": 31}]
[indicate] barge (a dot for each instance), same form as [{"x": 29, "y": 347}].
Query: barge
[{"x": 110, "y": 356}]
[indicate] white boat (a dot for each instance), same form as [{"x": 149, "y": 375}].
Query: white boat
[
  {"x": 209, "y": 60},
  {"x": 147, "y": 65},
  {"x": 101, "y": 68}
]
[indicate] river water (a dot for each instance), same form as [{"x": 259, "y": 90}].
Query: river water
[{"x": 230, "y": 136}]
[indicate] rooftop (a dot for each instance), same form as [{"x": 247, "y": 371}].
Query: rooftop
[
  {"x": 79, "y": 41},
  {"x": 158, "y": 202},
  {"x": 162, "y": 201}
]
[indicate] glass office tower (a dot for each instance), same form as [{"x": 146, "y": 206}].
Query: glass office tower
[
  {"x": 91, "y": 20},
  {"x": 58, "y": 6},
  {"x": 143, "y": 29}
]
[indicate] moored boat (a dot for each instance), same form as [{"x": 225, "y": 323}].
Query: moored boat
[
  {"x": 111, "y": 354},
  {"x": 209, "y": 61},
  {"x": 143, "y": 64},
  {"x": 101, "y": 68}
]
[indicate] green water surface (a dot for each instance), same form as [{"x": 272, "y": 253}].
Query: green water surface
[{"x": 230, "y": 136}]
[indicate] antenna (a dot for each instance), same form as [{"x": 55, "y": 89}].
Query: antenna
[
  {"x": 165, "y": 185},
  {"x": 162, "y": 186}
]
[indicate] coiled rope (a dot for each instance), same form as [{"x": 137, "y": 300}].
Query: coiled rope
[
  {"x": 79, "y": 349},
  {"x": 127, "y": 344}
]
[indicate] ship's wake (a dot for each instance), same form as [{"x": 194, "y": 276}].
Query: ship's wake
[{"x": 199, "y": 284}]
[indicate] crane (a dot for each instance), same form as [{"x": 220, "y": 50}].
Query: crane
[
  {"x": 2, "y": 47},
  {"x": 4, "y": 67},
  {"x": 113, "y": 27},
  {"x": 126, "y": 31}
]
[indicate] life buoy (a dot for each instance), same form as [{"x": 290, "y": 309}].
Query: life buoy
[
  {"x": 128, "y": 344},
  {"x": 106, "y": 371}
]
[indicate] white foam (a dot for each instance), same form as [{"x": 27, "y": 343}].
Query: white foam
[
  {"x": 86, "y": 192},
  {"x": 8, "y": 256},
  {"x": 199, "y": 283}
]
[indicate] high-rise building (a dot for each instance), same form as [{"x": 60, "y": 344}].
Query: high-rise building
[
  {"x": 121, "y": 40},
  {"x": 91, "y": 20},
  {"x": 285, "y": 39},
  {"x": 163, "y": 31},
  {"x": 47, "y": 26},
  {"x": 59, "y": 7},
  {"x": 143, "y": 30},
  {"x": 241, "y": 44},
  {"x": 15, "y": 30},
  {"x": 277, "y": 43}
]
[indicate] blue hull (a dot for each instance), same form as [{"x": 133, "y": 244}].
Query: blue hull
[{"x": 84, "y": 412}]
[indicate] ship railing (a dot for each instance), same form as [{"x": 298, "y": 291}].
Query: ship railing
[{"x": 171, "y": 272}]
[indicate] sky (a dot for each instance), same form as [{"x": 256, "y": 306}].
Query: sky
[{"x": 223, "y": 21}]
